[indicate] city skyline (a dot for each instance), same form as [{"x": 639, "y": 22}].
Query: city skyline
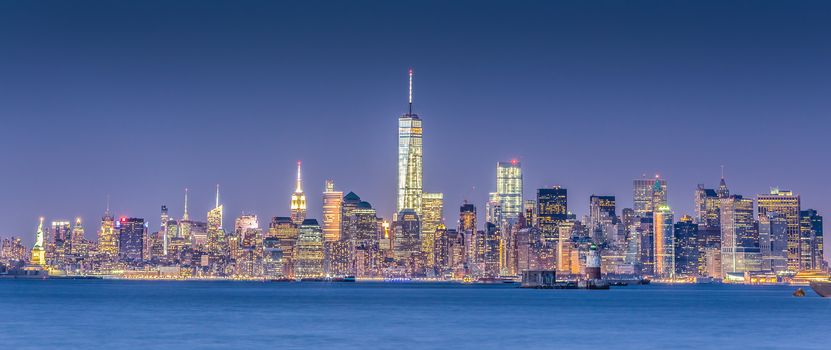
[{"x": 469, "y": 103}]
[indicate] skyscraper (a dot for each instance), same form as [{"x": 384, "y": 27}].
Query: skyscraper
[
  {"x": 552, "y": 210},
  {"x": 787, "y": 204},
  {"x": 107, "y": 239},
  {"x": 132, "y": 238},
  {"x": 810, "y": 241},
  {"x": 216, "y": 234},
  {"x": 432, "y": 216},
  {"x": 332, "y": 212},
  {"x": 706, "y": 206},
  {"x": 601, "y": 211},
  {"x": 407, "y": 234},
  {"x": 410, "y": 172},
  {"x": 773, "y": 242},
  {"x": 739, "y": 239},
  {"x": 664, "y": 242},
  {"x": 508, "y": 193},
  {"x": 648, "y": 195},
  {"x": 76, "y": 238},
  {"x": 688, "y": 252},
  {"x": 298, "y": 200},
  {"x": 309, "y": 261}
]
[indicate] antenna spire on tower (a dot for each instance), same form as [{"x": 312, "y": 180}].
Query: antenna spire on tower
[
  {"x": 108, "y": 205},
  {"x": 185, "y": 215},
  {"x": 722, "y": 171},
  {"x": 217, "y": 196},
  {"x": 299, "y": 179},
  {"x": 411, "y": 91}
]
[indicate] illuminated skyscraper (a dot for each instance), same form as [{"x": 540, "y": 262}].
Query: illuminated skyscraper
[
  {"x": 552, "y": 210},
  {"x": 706, "y": 206},
  {"x": 648, "y": 195},
  {"x": 287, "y": 233},
  {"x": 431, "y": 218},
  {"x": 773, "y": 242},
  {"x": 467, "y": 230},
  {"x": 107, "y": 239},
  {"x": 216, "y": 234},
  {"x": 810, "y": 240},
  {"x": 407, "y": 237},
  {"x": 76, "y": 238},
  {"x": 298, "y": 200},
  {"x": 739, "y": 238},
  {"x": 38, "y": 253},
  {"x": 663, "y": 240},
  {"x": 410, "y": 172},
  {"x": 688, "y": 252},
  {"x": 332, "y": 212},
  {"x": 309, "y": 260},
  {"x": 508, "y": 193},
  {"x": 602, "y": 211},
  {"x": 132, "y": 239},
  {"x": 785, "y": 203}
]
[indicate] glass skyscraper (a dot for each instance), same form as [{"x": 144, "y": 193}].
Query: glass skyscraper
[
  {"x": 508, "y": 195},
  {"x": 410, "y": 170}
]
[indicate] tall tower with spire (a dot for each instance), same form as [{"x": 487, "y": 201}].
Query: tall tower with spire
[
  {"x": 38, "y": 253},
  {"x": 722, "y": 191},
  {"x": 185, "y": 216},
  {"x": 298, "y": 200},
  {"x": 107, "y": 239},
  {"x": 216, "y": 235},
  {"x": 410, "y": 171}
]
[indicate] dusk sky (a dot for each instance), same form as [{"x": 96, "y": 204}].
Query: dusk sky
[{"x": 142, "y": 99}]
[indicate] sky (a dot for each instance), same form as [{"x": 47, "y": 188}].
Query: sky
[{"x": 140, "y": 99}]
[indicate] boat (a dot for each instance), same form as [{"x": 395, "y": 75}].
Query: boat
[{"x": 823, "y": 288}]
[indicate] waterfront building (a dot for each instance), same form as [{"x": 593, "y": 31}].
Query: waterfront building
[
  {"x": 432, "y": 216},
  {"x": 467, "y": 228},
  {"x": 552, "y": 210},
  {"x": 332, "y": 212},
  {"x": 132, "y": 238},
  {"x": 410, "y": 168},
  {"x": 489, "y": 247},
  {"x": 810, "y": 241},
  {"x": 284, "y": 229},
  {"x": 407, "y": 231},
  {"x": 786, "y": 203},
  {"x": 664, "y": 242},
  {"x": 298, "y": 200},
  {"x": 309, "y": 261},
  {"x": 272, "y": 258},
  {"x": 773, "y": 242},
  {"x": 508, "y": 195},
  {"x": 688, "y": 253},
  {"x": 739, "y": 238},
  {"x": 528, "y": 245}
]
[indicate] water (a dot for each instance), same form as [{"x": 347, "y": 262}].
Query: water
[{"x": 87, "y": 314}]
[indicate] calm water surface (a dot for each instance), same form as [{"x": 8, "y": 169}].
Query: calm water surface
[{"x": 104, "y": 314}]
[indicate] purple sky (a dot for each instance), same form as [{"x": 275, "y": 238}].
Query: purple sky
[{"x": 142, "y": 99}]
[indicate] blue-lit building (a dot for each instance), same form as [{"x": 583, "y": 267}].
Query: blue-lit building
[{"x": 132, "y": 238}]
